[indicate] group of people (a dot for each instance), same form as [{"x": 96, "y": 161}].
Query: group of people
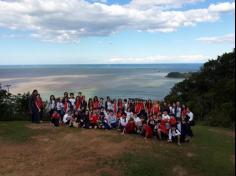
[{"x": 171, "y": 122}]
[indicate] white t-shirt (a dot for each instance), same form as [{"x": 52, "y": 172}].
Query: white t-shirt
[
  {"x": 72, "y": 101},
  {"x": 129, "y": 114},
  {"x": 137, "y": 121},
  {"x": 59, "y": 106},
  {"x": 178, "y": 112},
  {"x": 123, "y": 122},
  {"x": 66, "y": 118},
  {"x": 190, "y": 114},
  {"x": 165, "y": 117},
  {"x": 109, "y": 105}
]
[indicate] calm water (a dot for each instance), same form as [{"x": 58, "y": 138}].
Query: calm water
[{"x": 130, "y": 81}]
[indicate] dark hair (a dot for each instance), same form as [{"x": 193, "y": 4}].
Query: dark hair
[
  {"x": 35, "y": 91},
  {"x": 52, "y": 97}
]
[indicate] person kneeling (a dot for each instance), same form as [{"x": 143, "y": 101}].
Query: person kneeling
[
  {"x": 173, "y": 134},
  {"x": 147, "y": 131},
  {"x": 55, "y": 118}
]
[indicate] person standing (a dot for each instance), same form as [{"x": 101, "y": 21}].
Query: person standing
[
  {"x": 33, "y": 110},
  {"x": 39, "y": 104}
]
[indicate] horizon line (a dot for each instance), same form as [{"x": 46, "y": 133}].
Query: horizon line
[{"x": 101, "y": 64}]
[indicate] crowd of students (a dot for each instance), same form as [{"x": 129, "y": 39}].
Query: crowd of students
[{"x": 171, "y": 122}]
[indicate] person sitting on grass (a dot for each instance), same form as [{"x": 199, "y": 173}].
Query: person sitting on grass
[
  {"x": 112, "y": 121},
  {"x": 130, "y": 128},
  {"x": 164, "y": 125},
  {"x": 173, "y": 131},
  {"x": 94, "y": 118},
  {"x": 138, "y": 123},
  {"x": 147, "y": 131},
  {"x": 84, "y": 119},
  {"x": 68, "y": 118},
  {"x": 55, "y": 118},
  {"x": 123, "y": 121}
]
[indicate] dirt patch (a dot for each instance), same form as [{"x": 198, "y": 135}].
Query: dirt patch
[
  {"x": 179, "y": 171},
  {"x": 190, "y": 154},
  {"x": 232, "y": 159},
  {"x": 225, "y": 132},
  {"x": 63, "y": 151},
  {"x": 41, "y": 126}
]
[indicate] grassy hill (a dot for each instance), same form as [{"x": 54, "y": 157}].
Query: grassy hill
[{"x": 29, "y": 149}]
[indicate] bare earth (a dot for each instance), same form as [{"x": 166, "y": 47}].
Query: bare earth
[{"x": 64, "y": 152}]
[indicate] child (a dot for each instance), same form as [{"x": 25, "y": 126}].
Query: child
[
  {"x": 39, "y": 105},
  {"x": 51, "y": 105},
  {"x": 55, "y": 118},
  {"x": 164, "y": 125},
  {"x": 95, "y": 103},
  {"x": 59, "y": 106},
  {"x": 138, "y": 123},
  {"x": 94, "y": 118},
  {"x": 123, "y": 122},
  {"x": 156, "y": 108},
  {"x": 112, "y": 120},
  {"x": 67, "y": 118},
  {"x": 77, "y": 104},
  {"x": 130, "y": 127},
  {"x": 147, "y": 131},
  {"x": 174, "y": 133},
  {"x": 72, "y": 101}
]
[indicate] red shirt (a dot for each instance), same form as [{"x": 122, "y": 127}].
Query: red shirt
[
  {"x": 156, "y": 109},
  {"x": 172, "y": 121},
  {"x": 94, "y": 118},
  {"x": 118, "y": 115},
  {"x": 130, "y": 127},
  {"x": 148, "y": 130},
  {"x": 77, "y": 105},
  {"x": 66, "y": 106},
  {"x": 163, "y": 126},
  {"x": 138, "y": 108},
  {"x": 119, "y": 104},
  {"x": 56, "y": 116},
  {"x": 115, "y": 107},
  {"x": 149, "y": 106},
  {"x": 95, "y": 104},
  {"x": 39, "y": 103}
]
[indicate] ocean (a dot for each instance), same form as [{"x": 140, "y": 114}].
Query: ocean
[{"x": 147, "y": 81}]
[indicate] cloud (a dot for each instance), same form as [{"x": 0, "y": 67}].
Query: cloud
[
  {"x": 228, "y": 38},
  {"x": 68, "y": 21},
  {"x": 222, "y": 7},
  {"x": 166, "y": 4},
  {"x": 159, "y": 59}
]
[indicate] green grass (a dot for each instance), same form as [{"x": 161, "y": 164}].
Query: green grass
[
  {"x": 208, "y": 154},
  {"x": 16, "y": 131}
]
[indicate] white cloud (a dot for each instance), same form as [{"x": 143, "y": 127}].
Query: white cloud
[
  {"x": 144, "y": 4},
  {"x": 229, "y": 38},
  {"x": 222, "y": 7},
  {"x": 159, "y": 59},
  {"x": 68, "y": 21}
]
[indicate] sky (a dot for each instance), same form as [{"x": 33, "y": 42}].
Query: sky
[{"x": 115, "y": 31}]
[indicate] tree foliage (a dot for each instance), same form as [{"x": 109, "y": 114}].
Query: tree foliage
[
  {"x": 210, "y": 92},
  {"x": 13, "y": 107}
]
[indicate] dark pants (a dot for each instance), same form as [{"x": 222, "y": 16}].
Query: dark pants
[
  {"x": 35, "y": 116},
  {"x": 55, "y": 122}
]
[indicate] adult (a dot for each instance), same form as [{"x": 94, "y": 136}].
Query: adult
[{"x": 33, "y": 110}]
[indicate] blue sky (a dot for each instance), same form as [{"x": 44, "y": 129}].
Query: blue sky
[{"x": 115, "y": 32}]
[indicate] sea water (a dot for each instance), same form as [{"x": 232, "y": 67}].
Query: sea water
[{"x": 117, "y": 81}]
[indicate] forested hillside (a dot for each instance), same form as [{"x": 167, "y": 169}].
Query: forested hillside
[{"x": 210, "y": 92}]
